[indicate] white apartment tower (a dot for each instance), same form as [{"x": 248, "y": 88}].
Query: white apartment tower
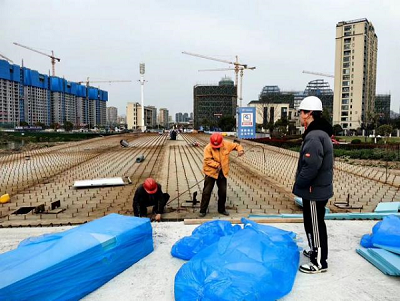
[
  {"x": 355, "y": 73},
  {"x": 134, "y": 115}
]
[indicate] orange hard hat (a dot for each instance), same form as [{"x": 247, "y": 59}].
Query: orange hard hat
[
  {"x": 216, "y": 140},
  {"x": 150, "y": 185}
]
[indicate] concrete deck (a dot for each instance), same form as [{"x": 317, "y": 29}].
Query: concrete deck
[
  {"x": 350, "y": 277},
  {"x": 259, "y": 182}
]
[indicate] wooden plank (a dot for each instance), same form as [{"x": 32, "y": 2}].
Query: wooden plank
[{"x": 198, "y": 221}]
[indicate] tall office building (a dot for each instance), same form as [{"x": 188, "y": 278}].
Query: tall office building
[
  {"x": 355, "y": 73},
  {"x": 112, "y": 115},
  {"x": 178, "y": 117},
  {"x": 382, "y": 106},
  {"x": 163, "y": 117}
]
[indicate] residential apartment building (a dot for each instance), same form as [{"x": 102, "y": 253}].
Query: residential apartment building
[
  {"x": 150, "y": 115},
  {"x": 112, "y": 115},
  {"x": 28, "y": 96},
  {"x": 10, "y": 110},
  {"x": 163, "y": 117},
  {"x": 355, "y": 73},
  {"x": 134, "y": 115}
]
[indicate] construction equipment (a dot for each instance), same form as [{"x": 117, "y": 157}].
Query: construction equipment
[
  {"x": 6, "y": 58},
  {"x": 318, "y": 73},
  {"x": 124, "y": 143},
  {"x": 53, "y": 58},
  {"x": 237, "y": 67},
  {"x": 88, "y": 81},
  {"x": 140, "y": 159}
]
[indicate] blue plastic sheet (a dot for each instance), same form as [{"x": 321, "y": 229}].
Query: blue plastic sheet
[
  {"x": 70, "y": 264},
  {"x": 203, "y": 236},
  {"x": 384, "y": 233},
  {"x": 256, "y": 263}
]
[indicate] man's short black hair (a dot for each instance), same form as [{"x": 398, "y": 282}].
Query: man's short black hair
[{"x": 314, "y": 114}]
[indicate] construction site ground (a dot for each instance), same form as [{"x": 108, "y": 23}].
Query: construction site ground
[
  {"x": 260, "y": 182},
  {"x": 349, "y": 277}
]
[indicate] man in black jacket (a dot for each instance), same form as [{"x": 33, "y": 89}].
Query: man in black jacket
[
  {"x": 313, "y": 183},
  {"x": 149, "y": 194}
]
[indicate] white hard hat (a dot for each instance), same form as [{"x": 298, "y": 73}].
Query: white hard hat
[{"x": 311, "y": 103}]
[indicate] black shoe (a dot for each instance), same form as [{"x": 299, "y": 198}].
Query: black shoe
[
  {"x": 202, "y": 214},
  {"x": 311, "y": 268},
  {"x": 226, "y": 213},
  {"x": 307, "y": 253}
]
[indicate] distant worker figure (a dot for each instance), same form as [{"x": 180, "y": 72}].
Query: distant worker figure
[
  {"x": 216, "y": 169},
  {"x": 314, "y": 181},
  {"x": 173, "y": 135},
  {"x": 149, "y": 194}
]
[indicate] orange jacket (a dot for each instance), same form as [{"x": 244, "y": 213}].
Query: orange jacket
[{"x": 214, "y": 158}]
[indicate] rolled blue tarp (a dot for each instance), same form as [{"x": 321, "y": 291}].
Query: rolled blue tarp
[{"x": 71, "y": 264}]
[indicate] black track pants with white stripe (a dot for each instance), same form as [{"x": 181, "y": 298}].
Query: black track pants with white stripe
[{"x": 314, "y": 225}]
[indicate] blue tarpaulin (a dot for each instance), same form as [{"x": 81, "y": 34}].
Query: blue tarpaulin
[
  {"x": 384, "y": 233},
  {"x": 57, "y": 84},
  {"x": 93, "y": 93},
  {"x": 35, "y": 79},
  {"x": 203, "y": 236},
  {"x": 256, "y": 263},
  {"x": 71, "y": 264},
  {"x": 382, "y": 247},
  {"x": 9, "y": 72}
]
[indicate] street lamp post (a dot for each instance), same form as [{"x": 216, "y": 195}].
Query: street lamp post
[{"x": 142, "y": 81}]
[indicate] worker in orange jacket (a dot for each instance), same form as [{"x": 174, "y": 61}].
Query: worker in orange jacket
[{"x": 216, "y": 169}]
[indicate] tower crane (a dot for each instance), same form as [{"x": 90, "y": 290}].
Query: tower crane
[
  {"x": 53, "y": 58},
  {"x": 88, "y": 81},
  {"x": 318, "y": 73},
  {"x": 6, "y": 58},
  {"x": 237, "y": 67}
]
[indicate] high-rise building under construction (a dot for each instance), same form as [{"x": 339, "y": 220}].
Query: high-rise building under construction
[
  {"x": 212, "y": 102},
  {"x": 355, "y": 73},
  {"x": 29, "y": 96}
]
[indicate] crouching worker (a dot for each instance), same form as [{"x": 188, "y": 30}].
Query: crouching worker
[
  {"x": 216, "y": 169},
  {"x": 149, "y": 194}
]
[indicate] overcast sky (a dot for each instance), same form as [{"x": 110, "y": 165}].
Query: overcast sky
[{"x": 106, "y": 40}]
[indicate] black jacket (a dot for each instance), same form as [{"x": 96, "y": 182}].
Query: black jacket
[
  {"x": 314, "y": 174},
  {"x": 142, "y": 200}
]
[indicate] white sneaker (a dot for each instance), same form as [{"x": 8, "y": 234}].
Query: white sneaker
[{"x": 311, "y": 268}]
